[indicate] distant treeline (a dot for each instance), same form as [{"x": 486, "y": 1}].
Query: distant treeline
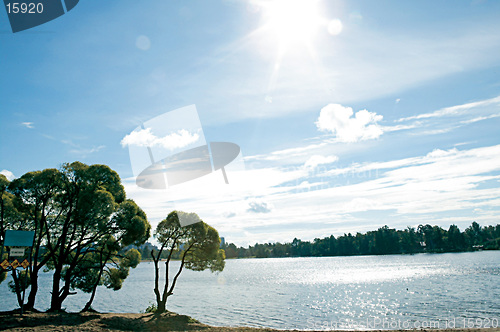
[{"x": 385, "y": 240}]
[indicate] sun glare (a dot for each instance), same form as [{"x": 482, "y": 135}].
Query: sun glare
[
  {"x": 293, "y": 20},
  {"x": 290, "y": 29}
]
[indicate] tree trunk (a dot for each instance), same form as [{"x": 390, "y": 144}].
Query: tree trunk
[
  {"x": 162, "y": 307},
  {"x": 58, "y": 294},
  {"x": 17, "y": 288},
  {"x": 55, "y": 300},
  {"x": 88, "y": 306},
  {"x": 157, "y": 281},
  {"x": 89, "y": 303},
  {"x": 35, "y": 267},
  {"x": 30, "y": 304}
]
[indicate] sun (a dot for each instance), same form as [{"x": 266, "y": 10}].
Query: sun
[
  {"x": 289, "y": 30},
  {"x": 292, "y": 21}
]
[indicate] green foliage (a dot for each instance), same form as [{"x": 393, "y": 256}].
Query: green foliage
[
  {"x": 132, "y": 221},
  {"x": 131, "y": 259},
  {"x": 114, "y": 278},
  {"x": 24, "y": 280},
  {"x": 152, "y": 308},
  {"x": 197, "y": 245},
  {"x": 85, "y": 275},
  {"x": 83, "y": 220},
  {"x": 4, "y": 182},
  {"x": 385, "y": 240}
]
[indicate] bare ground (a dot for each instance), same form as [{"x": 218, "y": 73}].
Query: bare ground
[{"x": 90, "y": 321}]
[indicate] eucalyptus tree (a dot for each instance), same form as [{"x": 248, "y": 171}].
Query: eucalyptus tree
[
  {"x": 73, "y": 211},
  {"x": 107, "y": 265},
  {"x": 92, "y": 203},
  {"x": 198, "y": 245},
  {"x": 34, "y": 194}
]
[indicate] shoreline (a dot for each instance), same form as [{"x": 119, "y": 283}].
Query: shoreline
[
  {"x": 169, "y": 321},
  {"x": 356, "y": 255}
]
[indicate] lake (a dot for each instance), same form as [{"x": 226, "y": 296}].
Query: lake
[{"x": 358, "y": 292}]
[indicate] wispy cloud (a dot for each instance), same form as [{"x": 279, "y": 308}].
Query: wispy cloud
[
  {"x": 286, "y": 153},
  {"x": 87, "y": 151},
  {"x": 480, "y": 118},
  {"x": 29, "y": 125},
  {"x": 403, "y": 192},
  {"x": 453, "y": 110}
]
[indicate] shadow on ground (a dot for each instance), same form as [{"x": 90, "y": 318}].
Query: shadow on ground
[{"x": 93, "y": 321}]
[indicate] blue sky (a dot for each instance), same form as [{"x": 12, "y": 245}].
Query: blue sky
[{"x": 350, "y": 115}]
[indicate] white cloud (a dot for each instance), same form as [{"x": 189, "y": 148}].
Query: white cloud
[
  {"x": 339, "y": 120},
  {"x": 316, "y": 160},
  {"x": 146, "y": 138},
  {"x": 8, "y": 174},
  {"x": 430, "y": 188},
  {"x": 453, "y": 110},
  {"x": 442, "y": 153},
  {"x": 29, "y": 125}
]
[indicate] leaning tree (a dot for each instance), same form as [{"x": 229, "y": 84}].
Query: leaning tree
[{"x": 198, "y": 247}]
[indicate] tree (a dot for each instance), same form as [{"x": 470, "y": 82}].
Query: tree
[
  {"x": 409, "y": 240},
  {"x": 198, "y": 245},
  {"x": 106, "y": 264},
  {"x": 74, "y": 211},
  {"x": 474, "y": 234},
  {"x": 231, "y": 250},
  {"x": 130, "y": 226},
  {"x": 92, "y": 202},
  {"x": 455, "y": 240},
  {"x": 386, "y": 241},
  {"x": 34, "y": 194}
]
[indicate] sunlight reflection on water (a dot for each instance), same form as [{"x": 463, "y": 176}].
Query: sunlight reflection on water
[{"x": 295, "y": 292}]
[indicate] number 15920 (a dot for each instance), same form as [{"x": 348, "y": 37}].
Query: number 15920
[{"x": 23, "y": 8}]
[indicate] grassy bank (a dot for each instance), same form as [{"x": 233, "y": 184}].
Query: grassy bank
[{"x": 124, "y": 322}]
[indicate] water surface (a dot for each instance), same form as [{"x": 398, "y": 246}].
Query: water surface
[{"x": 355, "y": 292}]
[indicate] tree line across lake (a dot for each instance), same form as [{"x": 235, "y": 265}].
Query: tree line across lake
[{"x": 385, "y": 240}]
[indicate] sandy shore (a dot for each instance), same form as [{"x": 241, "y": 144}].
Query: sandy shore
[{"x": 125, "y": 322}]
